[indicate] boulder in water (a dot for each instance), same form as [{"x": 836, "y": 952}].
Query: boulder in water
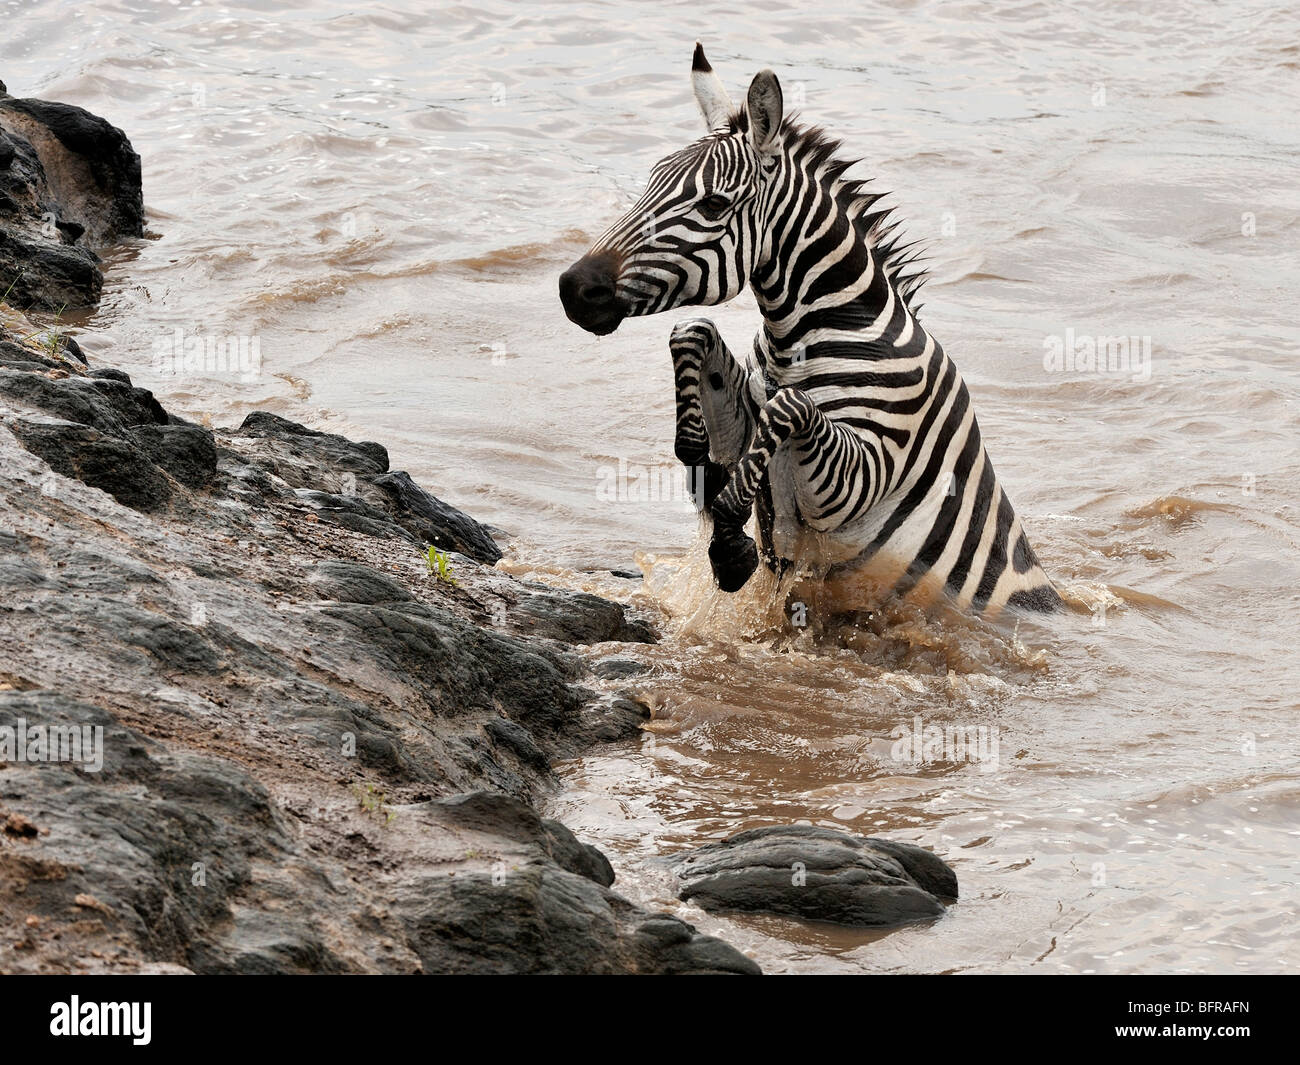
[{"x": 817, "y": 874}]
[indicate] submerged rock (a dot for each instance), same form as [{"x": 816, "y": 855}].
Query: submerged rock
[{"x": 816, "y": 874}]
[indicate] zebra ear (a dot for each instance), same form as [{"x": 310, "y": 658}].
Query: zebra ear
[
  {"x": 765, "y": 106},
  {"x": 715, "y": 104}
]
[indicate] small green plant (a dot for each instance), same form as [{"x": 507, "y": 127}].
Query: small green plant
[
  {"x": 439, "y": 563},
  {"x": 51, "y": 341},
  {"x": 373, "y": 801}
]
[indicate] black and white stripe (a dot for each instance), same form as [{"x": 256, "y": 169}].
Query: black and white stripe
[{"x": 848, "y": 430}]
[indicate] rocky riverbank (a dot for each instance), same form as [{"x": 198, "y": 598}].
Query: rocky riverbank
[
  {"x": 267, "y": 705},
  {"x": 317, "y": 755},
  {"x": 247, "y": 722}
]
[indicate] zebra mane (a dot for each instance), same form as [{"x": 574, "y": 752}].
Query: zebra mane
[{"x": 878, "y": 225}]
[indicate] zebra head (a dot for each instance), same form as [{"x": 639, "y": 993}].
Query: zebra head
[{"x": 692, "y": 237}]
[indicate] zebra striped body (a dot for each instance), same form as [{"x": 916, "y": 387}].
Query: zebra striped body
[{"x": 848, "y": 430}]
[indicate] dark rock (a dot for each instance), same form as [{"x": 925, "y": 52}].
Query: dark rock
[
  {"x": 435, "y": 522},
  {"x": 353, "y": 512},
  {"x": 577, "y": 857},
  {"x": 617, "y": 719},
  {"x": 816, "y": 874},
  {"x": 49, "y": 277},
  {"x": 349, "y": 582},
  {"x": 518, "y": 739},
  {"x": 71, "y": 231},
  {"x": 69, "y": 183},
  {"x": 665, "y": 929},
  {"x": 15, "y": 356},
  {"x": 457, "y": 667},
  {"x": 128, "y": 835},
  {"x": 577, "y": 617},
  {"x": 187, "y": 452},
  {"x": 489, "y": 811},
  {"x": 97, "y": 459},
  {"x": 538, "y": 918},
  {"x": 91, "y": 169},
  {"x": 930, "y": 871},
  {"x": 287, "y": 700},
  {"x": 289, "y": 444},
  {"x": 619, "y": 668},
  {"x": 106, "y": 404}
]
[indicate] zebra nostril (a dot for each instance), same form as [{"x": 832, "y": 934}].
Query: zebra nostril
[
  {"x": 716, "y": 382},
  {"x": 596, "y": 294},
  {"x": 589, "y": 292}
]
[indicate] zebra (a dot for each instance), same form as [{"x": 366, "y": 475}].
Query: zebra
[{"x": 848, "y": 433}]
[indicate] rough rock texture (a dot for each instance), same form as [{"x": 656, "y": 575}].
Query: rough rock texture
[
  {"x": 69, "y": 184},
  {"x": 817, "y": 874},
  {"x": 367, "y": 496},
  {"x": 317, "y": 757}
]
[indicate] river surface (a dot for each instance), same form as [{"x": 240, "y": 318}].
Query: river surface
[{"x": 381, "y": 197}]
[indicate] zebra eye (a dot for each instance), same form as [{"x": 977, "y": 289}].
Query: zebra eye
[{"x": 714, "y": 205}]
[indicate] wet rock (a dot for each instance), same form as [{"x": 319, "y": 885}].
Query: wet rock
[
  {"x": 434, "y": 522},
  {"x": 295, "y": 453},
  {"x": 69, "y": 184},
  {"x": 187, "y": 860},
  {"x": 353, "y": 512},
  {"x": 476, "y": 924},
  {"x": 616, "y": 718},
  {"x": 576, "y": 856},
  {"x": 108, "y": 404},
  {"x": 187, "y": 452},
  {"x": 89, "y": 166},
  {"x": 576, "y": 617},
  {"x": 349, "y": 582},
  {"x": 290, "y": 712},
  {"x": 97, "y": 459},
  {"x": 518, "y": 739},
  {"x": 316, "y": 756},
  {"x": 619, "y": 668},
  {"x": 48, "y": 276},
  {"x": 512, "y": 819},
  {"x": 816, "y": 874}
]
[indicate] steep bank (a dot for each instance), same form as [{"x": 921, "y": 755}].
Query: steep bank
[
  {"x": 266, "y": 705},
  {"x": 247, "y": 723},
  {"x": 317, "y": 756}
]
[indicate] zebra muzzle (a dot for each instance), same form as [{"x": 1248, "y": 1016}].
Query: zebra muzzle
[{"x": 588, "y": 290}]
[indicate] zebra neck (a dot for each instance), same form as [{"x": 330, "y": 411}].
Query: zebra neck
[{"x": 821, "y": 288}]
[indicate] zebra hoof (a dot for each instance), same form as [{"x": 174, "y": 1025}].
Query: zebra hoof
[{"x": 734, "y": 559}]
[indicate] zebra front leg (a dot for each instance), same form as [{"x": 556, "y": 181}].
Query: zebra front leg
[
  {"x": 715, "y": 413},
  {"x": 788, "y": 415}
]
